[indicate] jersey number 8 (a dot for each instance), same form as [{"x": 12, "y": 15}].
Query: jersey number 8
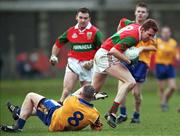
[{"x": 77, "y": 117}]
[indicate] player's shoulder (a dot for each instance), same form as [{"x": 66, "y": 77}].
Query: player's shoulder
[
  {"x": 158, "y": 39},
  {"x": 173, "y": 41},
  {"x": 72, "y": 28},
  {"x": 124, "y": 22},
  {"x": 94, "y": 28}
]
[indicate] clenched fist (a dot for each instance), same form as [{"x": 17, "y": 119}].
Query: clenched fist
[{"x": 53, "y": 59}]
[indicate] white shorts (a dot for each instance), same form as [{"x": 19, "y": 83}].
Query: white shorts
[
  {"x": 76, "y": 66},
  {"x": 102, "y": 61}
]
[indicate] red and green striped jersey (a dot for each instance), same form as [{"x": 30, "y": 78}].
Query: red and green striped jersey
[
  {"x": 125, "y": 38},
  {"x": 84, "y": 44}
]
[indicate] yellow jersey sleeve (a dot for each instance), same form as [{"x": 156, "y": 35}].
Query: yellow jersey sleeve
[
  {"x": 166, "y": 51},
  {"x": 75, "y": 114},
  {"x": 146, "y": 56}
]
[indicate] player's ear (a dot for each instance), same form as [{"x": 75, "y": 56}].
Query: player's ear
[
  {"x": 141, "y": 29},
  {"x": 76, "y": 17},
  {"x": 147, "y": 14}
]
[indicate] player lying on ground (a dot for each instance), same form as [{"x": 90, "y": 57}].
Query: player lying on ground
[{"x": 75, "y": 114}]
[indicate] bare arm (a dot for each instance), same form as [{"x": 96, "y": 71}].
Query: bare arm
[
  {"x": 119, "y": 55},
  {"x": 55, "y": 51},
  {"x": 147, "y": 48}
]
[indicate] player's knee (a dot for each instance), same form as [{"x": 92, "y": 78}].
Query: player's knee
[
  {"x": 173, "y": 87},
  {"x": 30, "y": 95},
  {"x": 131, "y": 83}
]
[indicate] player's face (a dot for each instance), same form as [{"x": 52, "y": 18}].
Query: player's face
[
  {"x": 165, "y": 33},
  {"x": 83, "y": 19},
  {"x": 141, "y": 14},
  {"x": 147, "y": 35}
]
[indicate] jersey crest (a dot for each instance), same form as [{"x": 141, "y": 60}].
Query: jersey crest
[
  {"x": 74, "y": 35},
  {"x": 89, "y": 35}
]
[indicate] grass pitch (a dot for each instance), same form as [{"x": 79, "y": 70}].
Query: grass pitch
[{"x": 154, "y": 122}]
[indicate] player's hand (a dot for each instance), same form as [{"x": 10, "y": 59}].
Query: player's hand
[
  {"x": 134, "y": 61},
  {"x": 97, "y": 126},
  {"x": 100, "y": 95},
  {"x": 88, "y": 65},
  {"x": 53, "y": 59}
]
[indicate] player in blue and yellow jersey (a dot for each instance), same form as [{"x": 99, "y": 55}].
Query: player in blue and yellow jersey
[
  {"x": 76, "y": 112},
  {"x": 165, "y": 71},
  {"x": 140, "y": 69}
]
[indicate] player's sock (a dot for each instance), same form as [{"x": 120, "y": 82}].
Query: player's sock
[
  {"x": 20, "y": 123},
  {"x": 164, "y": 107},
  {"x": 135, "y": 118},
  {"x": 123, "y": 115},
  {"x": 136, "y": 115},
  {"x": 123, "y": 111},
  {"x": 114, "y": 107}
]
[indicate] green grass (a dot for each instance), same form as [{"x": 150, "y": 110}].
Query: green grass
[{"x": 154, "y": 122}]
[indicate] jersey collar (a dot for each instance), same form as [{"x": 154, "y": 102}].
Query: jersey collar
[
  {"x": 85, "y": 102},
  {"x": 87, "y": 27}
]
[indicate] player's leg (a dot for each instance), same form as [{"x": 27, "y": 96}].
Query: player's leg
[
  {"x": 169, "y": 91},
  {"x": 160, "y": 72},
  {"x": 31, "y": 100},
  {"x": 171, "y": 84},
  {"x": 137, "y": 103},
  {"x": 139, "y": 73},
  {"x": 70, "y": 80},
  {"x": 123, "y": 113},
  {"x": 161, "y": 84},
  {"x": 121, "y": 73},
  {"x": 15, "y": 110},
  {"x": 98, "y": 80}
]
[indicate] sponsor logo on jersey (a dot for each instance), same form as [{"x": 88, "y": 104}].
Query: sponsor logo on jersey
[
  {"x": 89, "y": 35},
  {"x": 74, "y": 35},
  {"x": 82, "y": 47}
]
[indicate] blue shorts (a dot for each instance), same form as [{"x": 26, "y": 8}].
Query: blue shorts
[
  {"x": 138, "y": 70},
  {"x": 163, "y": 72},
  {"x": 45, "y": 109}
]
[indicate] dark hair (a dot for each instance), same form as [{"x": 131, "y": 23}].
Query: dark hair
[
  {"x": 88, "y": 91},
  {"x": 83, "y": 10},
  {"x": 150, "y": 23},
  {"x": 143, "y": 5}
]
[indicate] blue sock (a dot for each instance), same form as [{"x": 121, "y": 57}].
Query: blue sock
[
  {"x": 21, "y": 123},
  {"x": 123, "y": 110},
  {"x": 136, "y": 115}
]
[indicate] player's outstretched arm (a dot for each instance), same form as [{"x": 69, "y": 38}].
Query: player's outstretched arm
[{"x": 149, "y": 48}]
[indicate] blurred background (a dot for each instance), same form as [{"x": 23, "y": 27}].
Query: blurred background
[{"x": 29, "y": 28}]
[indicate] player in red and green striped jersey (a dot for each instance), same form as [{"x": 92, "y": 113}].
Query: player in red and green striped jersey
[
  {"x": 140, "y": 69},
  {"x": 106, "y": 61},
  {"x": 84, "y": 39}
]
